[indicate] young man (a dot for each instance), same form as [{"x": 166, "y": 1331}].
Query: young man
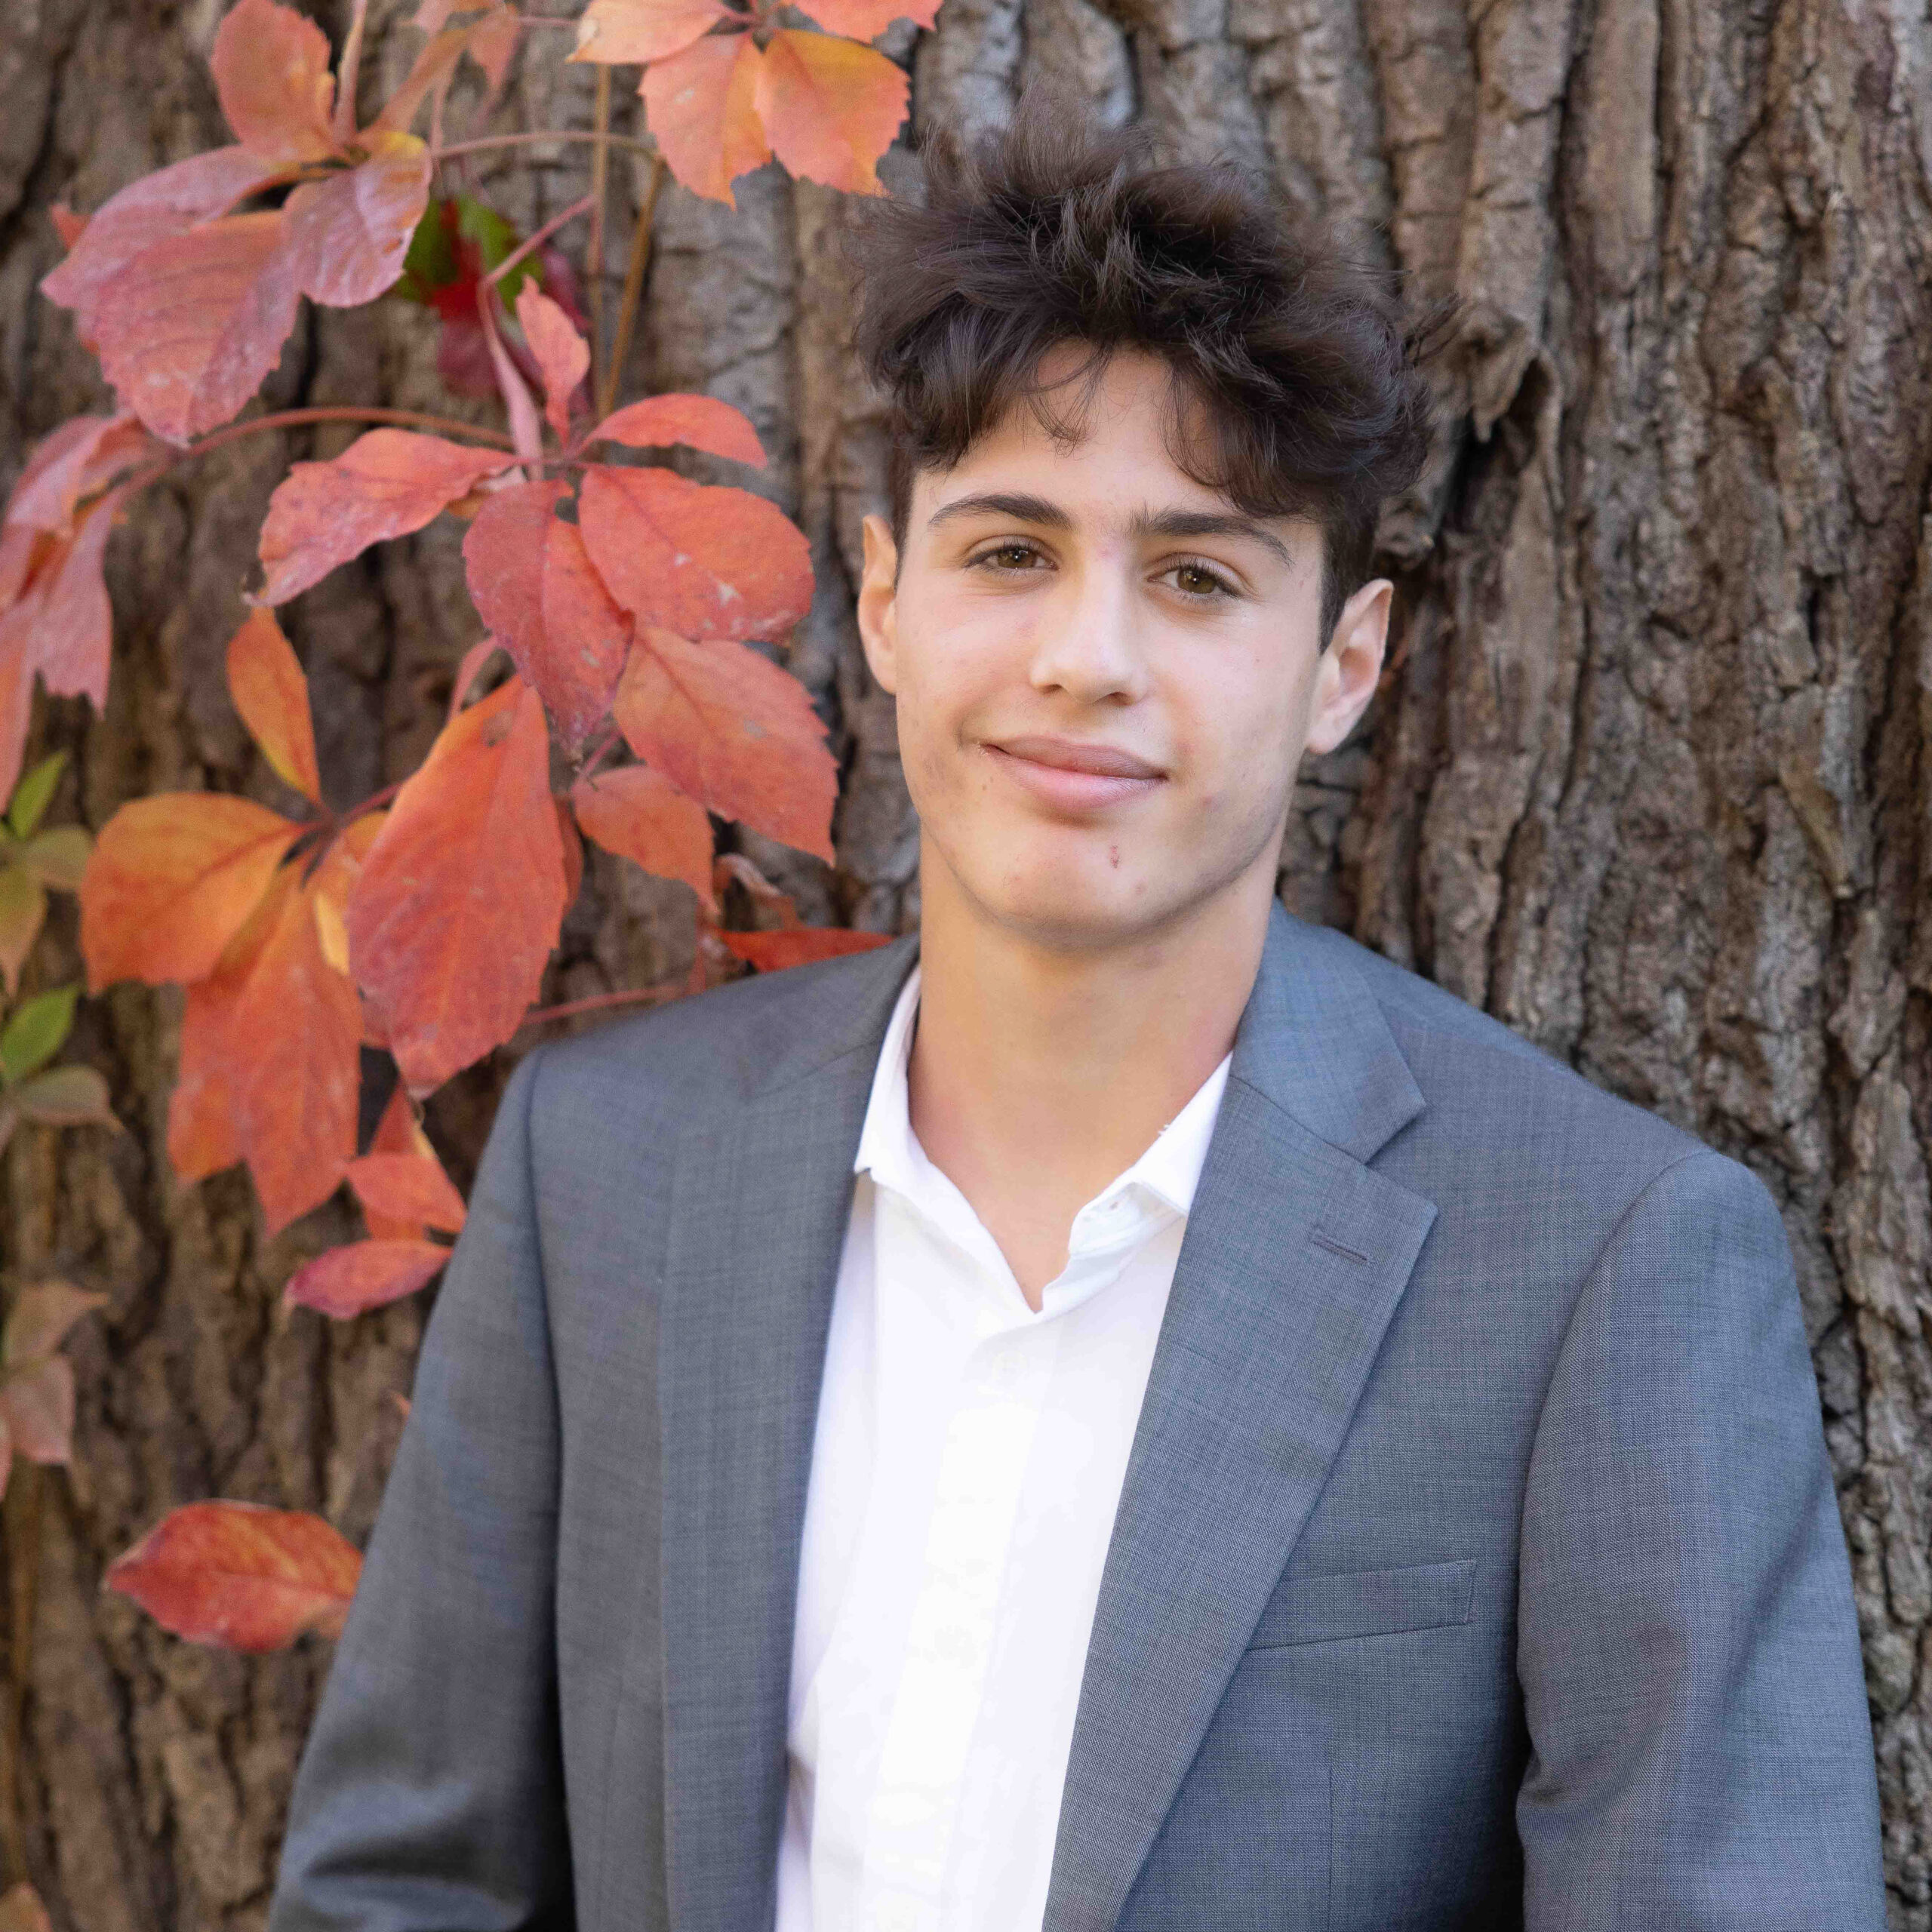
[{"x": 1130, "y": 1410}]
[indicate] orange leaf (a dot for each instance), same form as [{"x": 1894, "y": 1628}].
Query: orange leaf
[
  {"x": 335, "y": 879},
  {"x": 801, "y": 945},
  {"x": 699, "y": 422},
  {"x": 147, "y": 211},
  {"x": 387, "y": 484},
  {"x": 461, "y": 895},
  {"x": 532, "y": 582},
  {"x": 190, "y": 327},
  {"x": 830, "y": 107},
  {"x": 562, "y": 354},
  {"x": 407, "y": 1187},
  {"x": 363, "y": 1274},
  {"x": 347, "y": 235},
  {"x": 866, "y": 20},
  {"x": 76, "y": 459},
  {"x": 293, "y": 1051},
  {"x": 202, "y": 1135},
  {"x": 172, "y": 880},
  {"x": 398, "y": 1132},
  {"x": 700, "y": 105},
  {"x": 37, "y": 1402},
  {"x": 430, "y": 74},
  {"x": 614, "y": 32},
  {"x": 271, "y": 73},
  {"x": 478, "y": 654},
  {"x": 693, "y": 558},
  {"x": 640, "y": 815},
  {"x": 493, "y": 43},
  {"x": 237, "y": 1574},
  {"x": 271, "y": 695},
  {"x": 733, "y": 730}
]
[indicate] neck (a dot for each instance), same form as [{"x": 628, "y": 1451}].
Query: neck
[{"x": 1038, "y": 1073}]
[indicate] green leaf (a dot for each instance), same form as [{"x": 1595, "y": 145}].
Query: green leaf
[
  {"x": 58, "y": 858},
  {"x": 35, "y": 1034},
  {"x": 31, "y": 794},
  {"x": 22, "y": 907},
  {"x": 64, "y": 1096},
  {"x": 431, "y": 262}
]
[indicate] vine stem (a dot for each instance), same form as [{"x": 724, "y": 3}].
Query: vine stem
[
  {"x": 599, "y": 1002},
  {"x": 600, "y": 178},
  {"x": 585, "y": 205},
  {"x": 633, "y": 288},
  {"x": 541, "y": 134}
]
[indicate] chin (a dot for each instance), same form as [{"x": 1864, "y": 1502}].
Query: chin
[{"x": 1060, "y": 909}]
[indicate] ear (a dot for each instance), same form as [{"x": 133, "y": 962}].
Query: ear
[
  {"x": 878, "y": 590},
  {"x": 1345, "y": 678}
]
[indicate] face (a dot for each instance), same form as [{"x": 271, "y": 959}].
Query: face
[{"x": 1106, "y": 673}]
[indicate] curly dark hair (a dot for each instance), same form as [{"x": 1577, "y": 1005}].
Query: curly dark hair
[{"x": 1312, "y": 400}]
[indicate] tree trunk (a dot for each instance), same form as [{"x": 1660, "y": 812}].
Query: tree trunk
[{"x": 1648, "y": 778}]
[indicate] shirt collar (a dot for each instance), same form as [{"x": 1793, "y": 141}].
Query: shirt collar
[{"x": 1170, "y": 1169}]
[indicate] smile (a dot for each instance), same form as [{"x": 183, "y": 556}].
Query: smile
[{"x": 1073, "y": 777}]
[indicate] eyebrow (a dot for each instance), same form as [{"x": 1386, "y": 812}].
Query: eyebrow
[{"x": 1049, "y": 516}]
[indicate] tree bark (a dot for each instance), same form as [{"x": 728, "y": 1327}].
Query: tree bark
[{"x": 1648, "y": 778}]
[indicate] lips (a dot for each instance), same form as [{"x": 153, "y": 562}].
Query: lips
[{"x": 1073, "y": 777}]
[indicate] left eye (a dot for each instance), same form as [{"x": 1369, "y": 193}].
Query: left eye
[{"x": 1198, "y": 580}]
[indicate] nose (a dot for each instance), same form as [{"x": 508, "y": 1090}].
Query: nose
[{"x": 1089, "y": 643}]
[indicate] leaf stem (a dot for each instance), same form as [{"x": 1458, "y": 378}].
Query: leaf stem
[
  {"x": 586, "y": 205},
  {"x": 600, "y": 181},
  {"x": 352, "y": 61},
  {"x": 633, "y": 288},
  {"x": 541, "y": 134},
  {"x": 664, "y": 990},
  {"x": 289, "y": 419}
]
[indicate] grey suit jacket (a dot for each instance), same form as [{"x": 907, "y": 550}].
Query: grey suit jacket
[{"x": 1477, "y": 1565}]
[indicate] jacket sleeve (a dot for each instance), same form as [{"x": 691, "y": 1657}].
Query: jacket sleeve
[
  {"x": 1701, "y": 1750},
  {"x": 430, "y": 1794}
]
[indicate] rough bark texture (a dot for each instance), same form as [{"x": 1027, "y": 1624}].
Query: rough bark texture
[{"x": 1648, "y": 779}]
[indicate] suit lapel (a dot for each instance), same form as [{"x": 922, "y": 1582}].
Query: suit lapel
[
  {"x": 758, "y": 1221},
  {"x": 1295, "y": 1257}
]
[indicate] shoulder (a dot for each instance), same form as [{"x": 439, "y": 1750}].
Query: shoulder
[
  {"x": 668, "y": 1064},
  {"x": 1486, "y": 1086}
]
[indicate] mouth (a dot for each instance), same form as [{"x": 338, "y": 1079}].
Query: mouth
[{"x": 1072, "y": 776}]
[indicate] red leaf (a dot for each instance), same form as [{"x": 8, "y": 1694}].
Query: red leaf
[
  {"x": 615, "y": 32},
  {"x": 39, "y": 1404},
  {"x": 640, "y": 815},
  {"x": 866, "y": 20},
  {"x": 172, "y": 880},
  {"x": 562, "y": 354},
  {"x": 573, "y": 851},
  {"x": 385, "y": 483},
  {"x": 408, "y": 1187},
  {"x": 347, "y": 235},
  {"x": 699, "y": 422},
  {"x": 73, "y": 462},
  {"x": 799, "y": 946},
  {"x": 237, "y": 1574},
  {"x": 398, "y": 1132},
  {"x": 65, "y": 615},
  {"x": 693, "y": 558},
  {"x": 533, "y": 583},
  {"x": 830, "y": 107},
  {"x": 191, "y": 325},
  {"x": 158, "y": 205},
  {"x": 700, "y": 105},
  {"x": 493, "y": 44},
  {"x": 271, "y": 695},
  {"x": 70, "y": 225},
  {"x": 733, "y": 730},
  {"x": 16, "y": 707},
  {"x": 346, "y": 1281},
  {"x": 429, "y": 75},
  {"x": 461, "y": 895},
  {"x": 474, "y": 659},
  {"x": 526, "y": 432},
  {"x": 271, "y": 73}
]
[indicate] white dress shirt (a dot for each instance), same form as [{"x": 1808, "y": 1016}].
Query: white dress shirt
[{"x": 965, "y": 1473}]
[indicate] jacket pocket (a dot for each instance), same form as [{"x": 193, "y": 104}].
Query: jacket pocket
[{"x": 1367, "y": 1603}]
